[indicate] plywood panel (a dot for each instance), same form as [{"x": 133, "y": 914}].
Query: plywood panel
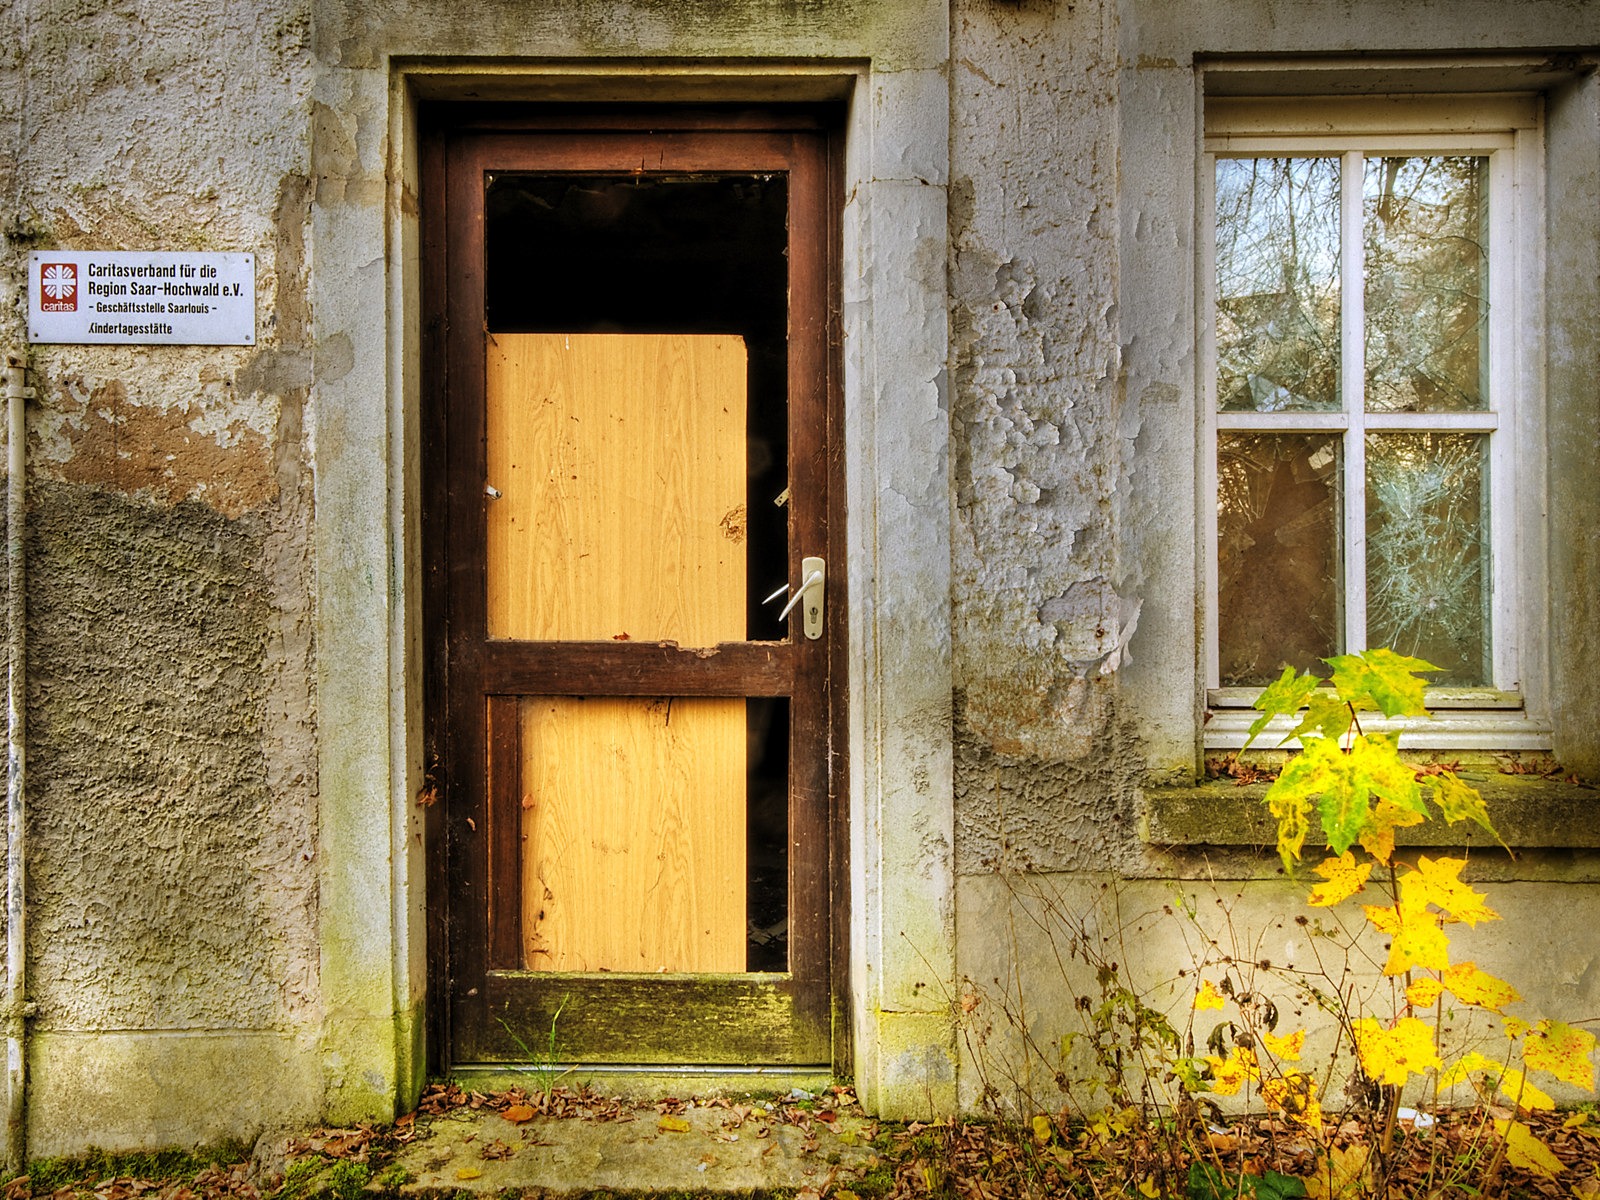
[
  {"x": 620, "y": 460},
  {"x": 633, "y": 834}
]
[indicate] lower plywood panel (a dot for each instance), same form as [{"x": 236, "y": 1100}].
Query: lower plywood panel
[{"x": 633, "y": 834}]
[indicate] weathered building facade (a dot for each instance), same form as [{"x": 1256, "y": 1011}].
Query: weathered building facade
[{"x": 257, "y": 889}]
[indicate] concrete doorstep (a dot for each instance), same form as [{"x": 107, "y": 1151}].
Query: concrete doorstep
[{"x": 707, "y": 1146}]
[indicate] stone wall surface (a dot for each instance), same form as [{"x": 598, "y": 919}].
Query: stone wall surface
[{"x": 172, "y": 915}]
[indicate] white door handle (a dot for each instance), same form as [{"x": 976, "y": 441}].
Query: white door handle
[{"x": 811, "y": 593}]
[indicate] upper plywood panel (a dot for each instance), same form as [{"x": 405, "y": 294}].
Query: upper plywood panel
[{"x": 620, "y": 463}]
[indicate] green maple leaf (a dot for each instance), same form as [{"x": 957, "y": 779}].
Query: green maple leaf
[
  {"x": 1345, "y": 807},
  {"x": 1371, "y": 767},
  {"x": 1375, "y": 759},
  {"x": 1382, "y": 678},
  {"x": 1325, "y": 715},
  {"x": 1283, "y": 697}
]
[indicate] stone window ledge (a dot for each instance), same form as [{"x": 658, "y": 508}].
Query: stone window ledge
[{"x": 1530, "y": 812}]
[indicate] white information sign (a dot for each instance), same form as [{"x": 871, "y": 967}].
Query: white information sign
[{"x": 134, "y": 297}]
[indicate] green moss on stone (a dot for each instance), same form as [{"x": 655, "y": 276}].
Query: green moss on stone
[
  {"x": 347, "y": 1180},
  {"x": 83, "y": 1172}
]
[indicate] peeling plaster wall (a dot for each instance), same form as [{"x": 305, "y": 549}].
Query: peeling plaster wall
[
  {"x": 172, "y": 787},
  {"x": 1046, "y": 772}
]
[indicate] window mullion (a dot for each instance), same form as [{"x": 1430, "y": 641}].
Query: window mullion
[
  {"x": 1208, "y": 408},
  {"x": 1352, "y": 389},
  {"x": 1505, "y": 321}
]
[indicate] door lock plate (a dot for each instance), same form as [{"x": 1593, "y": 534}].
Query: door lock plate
[{"x": 814, "y": 574}]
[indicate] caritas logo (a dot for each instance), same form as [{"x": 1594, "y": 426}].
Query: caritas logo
[{"x": 58, "y": 287}]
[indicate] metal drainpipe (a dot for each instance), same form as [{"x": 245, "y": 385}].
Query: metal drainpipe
[{"x": 17, "y": 1007}]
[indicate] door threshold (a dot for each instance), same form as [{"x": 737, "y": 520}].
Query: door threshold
[{"x": 646, "y": 1082}]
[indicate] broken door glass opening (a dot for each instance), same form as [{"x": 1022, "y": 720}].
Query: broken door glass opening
[
  {"x": 767, "y": 836},
  {"x": 669, "y": 254}
]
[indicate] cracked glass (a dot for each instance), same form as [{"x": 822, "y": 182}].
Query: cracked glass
[
  {"x": 1277, "y": 284},
  {"x": 1425, "y": 229},
  {"x": 1428, "y": 550},
  {"x": 1279, "y": 558}
]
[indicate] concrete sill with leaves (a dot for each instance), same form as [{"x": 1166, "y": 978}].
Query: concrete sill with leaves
[{"x": 1531, "y": 812}]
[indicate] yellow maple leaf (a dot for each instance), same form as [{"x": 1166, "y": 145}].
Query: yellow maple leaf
[
  {"x": 1525, "y": 1150},
  {"x": 1287, "y": 1048},
  {"x": 1472, "y": 986},
  {"x": 1341, "y": 1175},
  {"x": 1377, "y": 839},
  {"x": 1514, "y": 1086},
  {"x": 1467, "y": 1063},
  {"x": 1229, "y": 1074},
  {"x": 1563, "y": 1051},
  {"x": 1208, "y": 996},
  {"x": 1437, "y": 882},
  {"x": 1424, "y": 992},
  {"x": 1390, "y": 1055},
  {"x": 1379, "y": 843},
  {"x": 1344, "y": 878},
  {"x": 1385, "y": 917},
  {"x": 1294, "y": 1094},
  {"x": 1511, "y": 1083},
  {"x": 1415, "y": 939},
  {"x": 1291, "y": 810}
]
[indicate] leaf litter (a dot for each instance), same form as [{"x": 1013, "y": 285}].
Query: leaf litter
[{"x": 951, "y": 1159}]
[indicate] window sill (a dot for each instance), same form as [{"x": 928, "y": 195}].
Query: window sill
[
  {"x": 1498, "y": 728},
  {"x": 1529, "y": 811}
]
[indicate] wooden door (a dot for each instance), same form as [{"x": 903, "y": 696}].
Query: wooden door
[{"x": 628, "y": 439}]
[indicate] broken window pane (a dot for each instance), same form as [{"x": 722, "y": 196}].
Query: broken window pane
[
  {"x": 1428, "y": 550},
  {"x": 1427, "y": 266},
  {"x": 1277, "y": 284},
  {"x": 1279, "y": 560}
]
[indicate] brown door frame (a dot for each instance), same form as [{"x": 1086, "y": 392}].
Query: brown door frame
[{"x": 800, "y": 1017}]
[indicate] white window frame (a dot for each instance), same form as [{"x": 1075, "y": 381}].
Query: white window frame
[{"x": 1508, "y": 130}]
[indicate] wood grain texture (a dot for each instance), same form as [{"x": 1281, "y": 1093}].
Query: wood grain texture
[
  {"x": 633, "y": 834},
  {"x": 640, "y": 669},
  {"x": 734, "y": 1020},
  {"x": 620, "y": 459}
]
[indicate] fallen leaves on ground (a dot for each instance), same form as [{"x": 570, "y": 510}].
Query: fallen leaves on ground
[{"x": 1552, "y": 1155}]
